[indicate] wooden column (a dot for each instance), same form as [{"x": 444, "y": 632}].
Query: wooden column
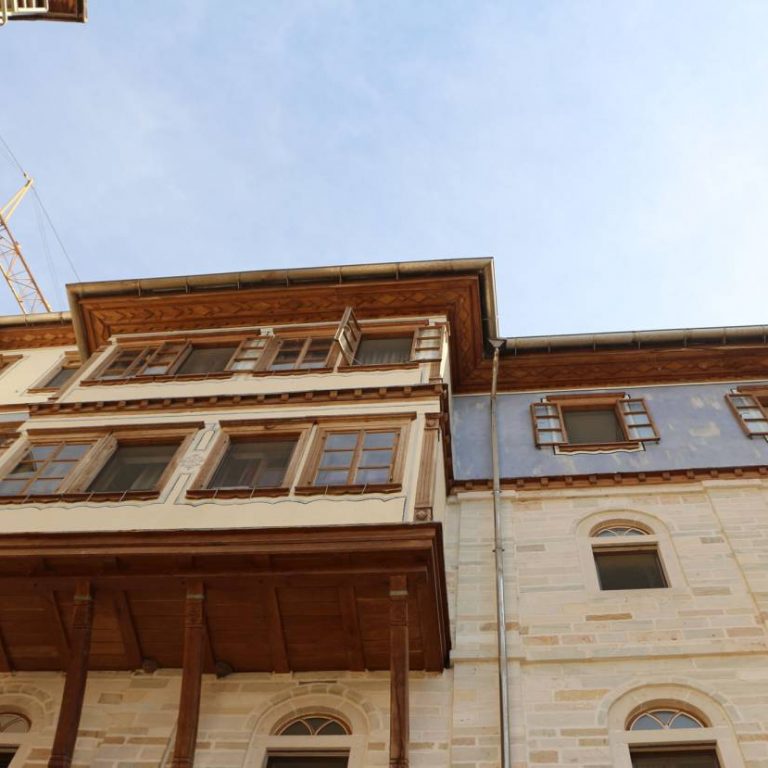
[
  {"x": 398, "y": 672},
  {"x": 191, "y": 680},
  {"x": 74, "y": 685}
]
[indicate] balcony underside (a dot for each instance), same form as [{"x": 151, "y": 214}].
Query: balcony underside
[{"x": 279, "y": 599}]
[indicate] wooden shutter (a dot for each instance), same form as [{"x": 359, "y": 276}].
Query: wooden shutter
[
  {"x": 348, "y": 335},
  {"x": 547, "y": 424},
  {"x": 428, "y": 343},
  {"x": 249, "y": 354},
  {"x": 637, "y": 421},
  {"x": 749, "y": 411},
  {"x": 165, "y": 357}
]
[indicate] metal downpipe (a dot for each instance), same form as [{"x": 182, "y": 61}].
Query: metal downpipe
[{"x": 501, "y": 614}]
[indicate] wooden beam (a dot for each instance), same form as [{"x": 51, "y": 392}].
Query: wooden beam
[
  {"x": 74, "y": 684},
  {"x": 275, "y": 630},
  {"x": 351, "y": 624},
  {"x": 62, "y": 639},
  {"x": 128, "y": 633},
  {"x": 191, "y": 680},
  {"x": 398, "y": 672}
]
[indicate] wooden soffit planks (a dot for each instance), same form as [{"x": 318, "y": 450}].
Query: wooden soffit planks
[{"x": 298, "y": 599}]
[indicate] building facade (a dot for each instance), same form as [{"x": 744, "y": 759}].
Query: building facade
[{"x": 297, "y": 518}]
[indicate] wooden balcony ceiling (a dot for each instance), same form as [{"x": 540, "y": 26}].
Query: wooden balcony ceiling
[{"x": 280, "y": 600}]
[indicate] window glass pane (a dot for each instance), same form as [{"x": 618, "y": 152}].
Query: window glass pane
[
  {"x": 73, "y": 450},
  {"x": 371, "y": 476},
  {"x": 336, "y": 459},
  {"x": 332, "y": 728},
  {"x": 547, "y": 423},
  {"x": 56, "y": 469},
  {"x": 60, "y": 378},
  {"x": 206, "y": 360},
  {"x": 384, "y": 351},
  {"x": 683, "y": 721},
  {"x": 646, "y": 723},
  {"x": 299, "y": 728},
  {"x": 379, "y": 439},
  {"x": 331, "y": 478},
  {"x": 551, "y": 437},
  {"x": 254, "y": 464},
  {"x": 689, "y": 758},
  {"x": 636, "y": 418},
  {"x": 751, "y": 413},
  {"x": 41, "y": 451},
  {"x": 641, "y": 433},
  {"x": 629, "y": 570},
  {"x": 632, "y": 407},
  {"x": 341, "y": 440},
  {"x": 593, "y": 426},
  {"x": 757, "y": 426},
  {"x": 41, "y": 487},
  {"x": 376, "y": 458},
  {"x": 740, "y": 402},
  {"x": 306, "y": 761},
  {"x": 134, "y": 468},
  {"x": 11, "y": 487},
  {"x": 287, "y": 355}
]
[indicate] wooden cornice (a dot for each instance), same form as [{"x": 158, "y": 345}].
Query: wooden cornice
[
  {"x": 36, "y": 335},
  {"x": 605, "y": 479},
  {"x": 604, "y": 368}
]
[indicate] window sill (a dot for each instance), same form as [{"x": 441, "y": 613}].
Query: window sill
[
  {"x": 81, "y": 496},
  {"x": 235, "y": 493},
  {"x": 341, "y": 490},
  {"x": 633, "y": 445},
  {"x": 407, "y": 365}
]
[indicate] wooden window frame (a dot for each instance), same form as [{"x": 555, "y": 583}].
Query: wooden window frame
[
  {"x": 279, "y": 339},
  {"x": 755, "y": 394},
  {"x": 400, "y": 424},
  {"x": 6, "y": 361},
  {"x": 561, "y": 403},
  {"x": 70, "y": 361},
  {"x": 237, "y": 430},
  {"x": 103, "y": 444}
]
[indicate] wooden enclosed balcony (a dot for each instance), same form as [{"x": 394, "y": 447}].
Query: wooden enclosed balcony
[{"x": 301, "y": 599}]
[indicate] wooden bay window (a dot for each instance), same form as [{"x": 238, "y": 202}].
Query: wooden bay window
[{"x": 94, "y": 464}]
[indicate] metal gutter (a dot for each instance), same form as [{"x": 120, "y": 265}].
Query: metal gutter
[{"x": 498, "y": 549}]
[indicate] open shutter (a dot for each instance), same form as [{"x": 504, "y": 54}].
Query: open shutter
[
  {"x": 547, "y": 424},
  {"x": 248, "y": 354},
  {"x": 348, "y": 335},
  {"x": 751, "y": 415},
  {"x": 428, "y": 343},
  {"x": 637, "y": 420},
  {"x": 164, "y": 358}
]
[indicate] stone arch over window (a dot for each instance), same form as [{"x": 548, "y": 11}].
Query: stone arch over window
[
  {"x": 319, "y": 706},
  {"x": 670, "y": 716},
  {"x": 602, "y": 535}
]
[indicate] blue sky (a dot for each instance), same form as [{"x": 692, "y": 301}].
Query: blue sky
[{"x": 611, "y": 156}]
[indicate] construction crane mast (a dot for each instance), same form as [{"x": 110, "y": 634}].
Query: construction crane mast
[{"x": 12, "y": 263}]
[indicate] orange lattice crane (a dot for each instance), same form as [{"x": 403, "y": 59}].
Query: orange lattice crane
[{"x": 13, "y": 264}]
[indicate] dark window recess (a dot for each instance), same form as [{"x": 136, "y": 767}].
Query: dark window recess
[
  {"x": 593, "y": 426},
  {"x": 206, "y": 360},
  {"x": 254, "y": 464},
  {"x": 58, "y": 380},
  {"x": 133, "y": 468},
  {"x": 684, "y": 758},
  {"x": 6, "y": 755},
  {"x": 638, "y": 569},
  {"x": 307, "y": 761},
  {"x": 301, "y": 353},
  {"x": 389, "y": 351}
]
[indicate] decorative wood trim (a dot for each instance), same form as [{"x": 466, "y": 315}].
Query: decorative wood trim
[
  {"x": 398, "y": 672},
  {"x": 37, "y": 335},
  {"x": 212, "y": 402},
  {"x": 191, "y": 680},
  {"x": 74, "y": 684},
  {"x": 606, "y": 479},
  {"x": 425, "y": 486}
]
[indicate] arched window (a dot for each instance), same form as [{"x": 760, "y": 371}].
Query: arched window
[
  {"x": 12, "y": 725},
  {"x": 663, "y": 719},
  {"x": 626, "y": 557},
  {"x": 306, "y": 743},
  {"x": 315, "y": 726}
]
